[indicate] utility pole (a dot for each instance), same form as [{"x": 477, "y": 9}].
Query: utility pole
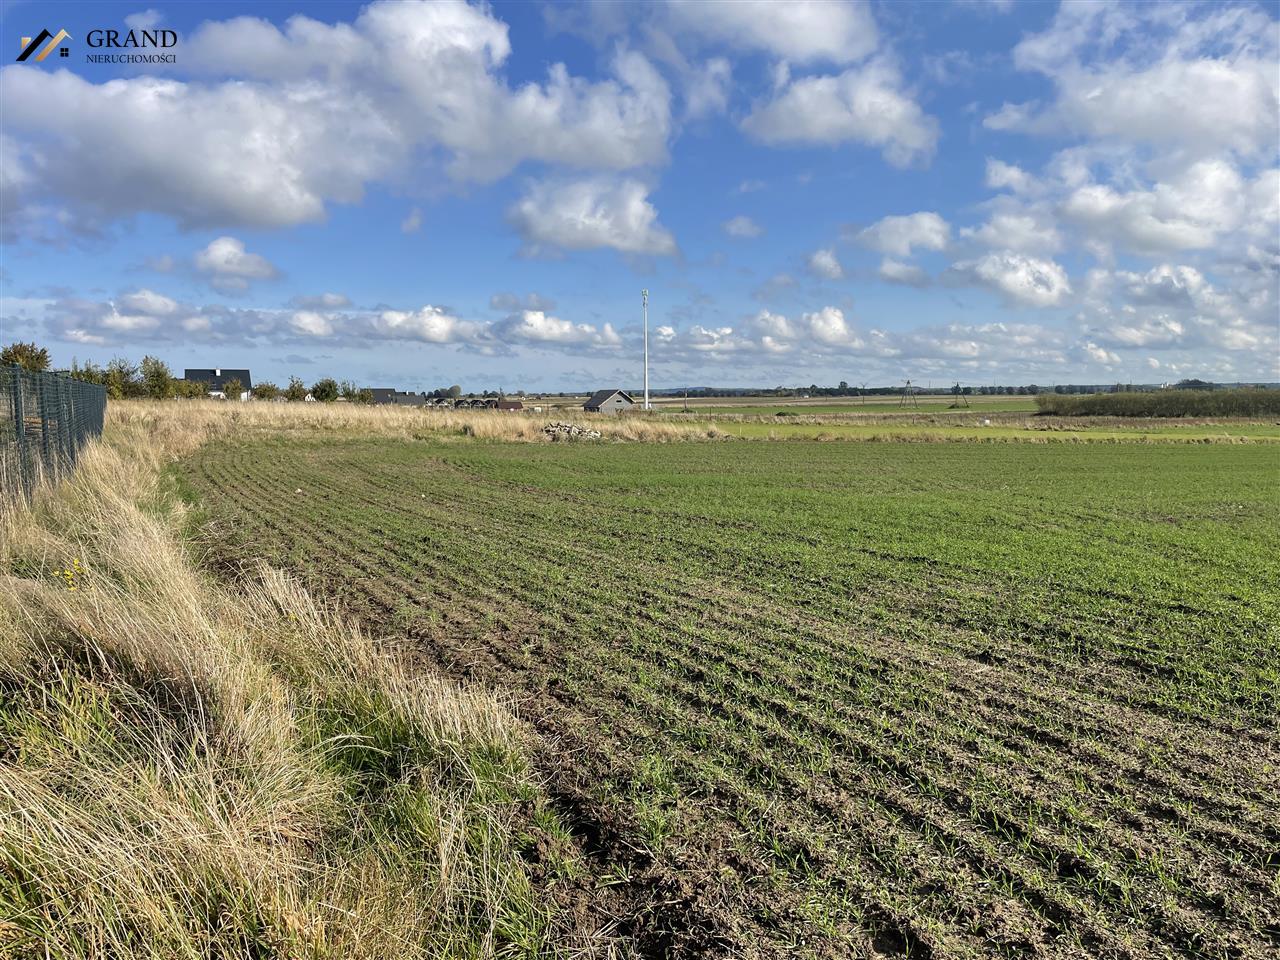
[{"x": 644, "y": 299}]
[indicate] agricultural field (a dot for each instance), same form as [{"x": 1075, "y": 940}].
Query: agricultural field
[
  {"x": 835, "y": 700},
  {"x": 826, "y": 406}
]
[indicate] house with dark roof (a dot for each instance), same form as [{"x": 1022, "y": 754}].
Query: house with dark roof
[
  {"x": 383, "y": 394},
  {"x": 216, "y": 380},
  {"x": 609, "y": 401}
]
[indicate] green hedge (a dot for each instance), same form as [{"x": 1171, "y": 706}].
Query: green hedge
[{"x": 1163, "y": 403}]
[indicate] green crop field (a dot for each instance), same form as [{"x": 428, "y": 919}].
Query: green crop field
[{"x": 825, "y": 699}]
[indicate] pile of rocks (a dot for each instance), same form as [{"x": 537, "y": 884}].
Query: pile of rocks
[{"x": 560, "y": 430}]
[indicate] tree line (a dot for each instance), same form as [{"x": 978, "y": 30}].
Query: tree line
[{"x": 152, "y": 379}]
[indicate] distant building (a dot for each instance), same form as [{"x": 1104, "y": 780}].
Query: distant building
[
  {"x": 390, "y": 396},
  {"x": 215, "y": 381},
  {"x": 509, "y": 405},
  {"x": 609, "y": 401}
]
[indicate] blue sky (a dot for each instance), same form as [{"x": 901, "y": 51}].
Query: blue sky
[{"x": 417, "y": 195}]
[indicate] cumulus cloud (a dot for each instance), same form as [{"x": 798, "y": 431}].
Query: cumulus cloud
[
  {"x": 313, "y": 112},
  {"x": 1007, "y": 176},
  {"x": 801, "y": 31},
  {"x": 865, "y": 104},
  {"x": 537, "y": 327},
  {"x": 1022, "y": 280},
  {"x": 230, "y": 268},
  {"x": 823, "y": 263},
  {"x": 1020, "y": 230},
  {"x": 311, "y": 324},
  {"x": 586, "y": 214},
  {"x": 1200, "y": 80},
  {"x": 899, "y": 235},
  {"x": 743, "y": 227},
  {"x": 1175, "y": 306},
  {"x": 1190, "y": 211}
]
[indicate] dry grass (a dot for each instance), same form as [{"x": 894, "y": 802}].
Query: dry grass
[
  {"x": 212, "y": 418},
  {"x": 193, "y": 770}
]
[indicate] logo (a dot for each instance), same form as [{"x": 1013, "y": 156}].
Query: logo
[{"x": 29, "y": 46}]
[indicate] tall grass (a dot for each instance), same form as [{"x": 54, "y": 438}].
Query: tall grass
[
  {"x": 1246, "y": 402},
  {"x": 214, "y": 418},
  {"x": 194, "y": 769}
]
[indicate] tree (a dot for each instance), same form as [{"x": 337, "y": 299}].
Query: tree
[
  {"x": 190, "y": 389},
  {"x": 231, "y": 389},
  {"x": 326, "y": 390},
  {"x": 265, "y": 390},
  {"x": 25, "y": 355},
  {"x": 90, "y": 373},
  {"x": 455, "y": 391},
  {"x": 157, "y": 381},
  {"x": 122, "y": 379},
  {"x": 296, "y": 391}
]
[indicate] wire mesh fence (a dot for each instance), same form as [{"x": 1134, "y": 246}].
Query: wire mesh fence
[{"x": 45, "y": 419}]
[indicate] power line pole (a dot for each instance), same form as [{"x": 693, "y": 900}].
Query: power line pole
[{"x": 644, "y": 299}]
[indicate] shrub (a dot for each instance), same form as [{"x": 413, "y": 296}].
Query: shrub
[{"x": 1245, "y": 402}]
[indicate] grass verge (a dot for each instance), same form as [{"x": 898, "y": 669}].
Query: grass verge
[{"x": 190, "y": 768}]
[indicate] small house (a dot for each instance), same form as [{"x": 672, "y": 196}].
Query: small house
[
  {"x": 510, "y": 405},
  {"x": 609, "y": 401},
  {"x": 383, "y": 395},
  {"x": 216, "y": 380}
]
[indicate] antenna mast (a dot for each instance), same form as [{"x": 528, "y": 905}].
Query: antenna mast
[{"x": 644, "y": 299}]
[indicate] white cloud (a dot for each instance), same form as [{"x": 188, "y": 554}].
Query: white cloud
[
  {"x": 149, "y": 302},
  {"x": 899, "y": 235},
  {"x": 802, "y": 31},
  {"x": 1196, "y": 78},
  {"x": 1019, "y": 231},
  {"x": 865, "y": 104},
  {"x": 823, "y": 263},
  {"x": 585, "y": 214},
  {"x": 907, "y": 274},
  {"x": 750, "y": 186},
  {"x": 1095, "y": 354},
  {"x": 1006, "y": 176},
  {"x": 229, "y": 268},
  {"x": 412, "y": 221},
  {"x": 1020, "y": 279},
  {"x": 1190, "y": 211},
  {"x": 743, "y": 227},
  {"x": 144, "y": 20},
  {"x": 829, "y": 327},
  {"x": 1175, "y": 306},
  {"x": 430, "y": 324},
  {"x": 313, "y": 112},
  {"x": 311, "y": 324},
  {"x": 536, "y": 327},
  {"x": 706, "y": 89}
]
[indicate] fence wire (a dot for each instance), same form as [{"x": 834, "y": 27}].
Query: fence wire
[{"x": 45, "y": 419}]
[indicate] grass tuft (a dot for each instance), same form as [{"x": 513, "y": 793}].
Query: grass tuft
[{"x": 189, "y": 768}]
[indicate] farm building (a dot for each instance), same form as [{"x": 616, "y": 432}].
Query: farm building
[
  {"x": 511, "y": 405},
  {"x": 215, "y": 381},
  {"x": 609, "y": 401}
]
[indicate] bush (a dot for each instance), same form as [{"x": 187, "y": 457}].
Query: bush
[{"x": 1247, "y": 402}]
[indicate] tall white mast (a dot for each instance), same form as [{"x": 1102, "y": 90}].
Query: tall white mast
[{"x": 644, "y": 299}]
